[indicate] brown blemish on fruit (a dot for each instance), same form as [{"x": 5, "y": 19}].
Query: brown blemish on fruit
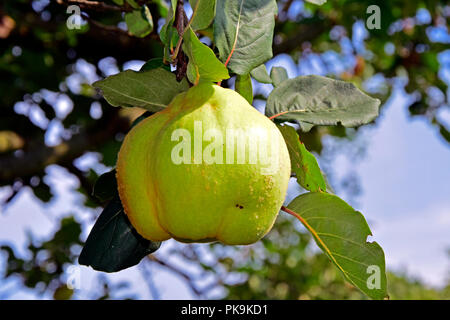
[
  {"x": 239, "y": 206},
  {"x": 214, "y": 105}
]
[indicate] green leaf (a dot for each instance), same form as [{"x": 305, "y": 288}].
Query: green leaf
[
  {"x": 152, "y": 90},
  {"x": 204, "y": 15},
  {"x": 303, "y": 162},
  {"x": 139, "y": 22},
  {"x": 278, "y": 75},
  {"x": 163, "y": 8},
  {"x": 318, "y": 2},
  {"x": 321, "y": 101},
  {"x": 118, "y": 2},
  {"x": 154, "y": 64},
  {"x": 203, "y": 64},
  {"x": 169, "y": 34},
  {"x": 113, "y": 244},
  {"x": 133, "y": 4},
  {"x": 341, "y": 232},
  {"x": 243, "y": 32},
  {"x": 243, "y": 85},
  {"x": 260, "y": 74},
  {"x": 105, "y": 188},
  {"x": 167, "y": 29},
  {"x": 143, "y": 116}
]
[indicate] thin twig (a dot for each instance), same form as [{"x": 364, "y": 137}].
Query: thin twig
[
  {"x": 147, "y": 275},
  {"x": 180, "y": 39},
  {"x": 179, "y": 272},
  {"x": 93, "y": 5},
  {"x": 104, "y": 26}
]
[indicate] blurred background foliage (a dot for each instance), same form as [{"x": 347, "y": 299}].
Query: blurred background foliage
[{"x": 49, "y": 115}]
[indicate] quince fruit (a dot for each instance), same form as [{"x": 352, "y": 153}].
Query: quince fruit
[{"x": 209, "y": 167}]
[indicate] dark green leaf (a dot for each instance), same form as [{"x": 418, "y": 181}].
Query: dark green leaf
[
  {"x": 321, "y": 101},
  {"x": 243, "y": 85},
  {"x": 154, "y": 64},
  {"x": 203, "y": 64},
  {"x": 105, "y": 188},
  {"x": 113, "y": 244},
  {"x": 152, "y": 90},
  {"x": 260, "y": 74},
  {"x": 139, "y": 22},
  {"x": 341, "y": 232},
  {"x": 143, "y": 116},
  {"x": 303, "y": 162},
  {"x": 243, "y": 32},
  {"x": 278, "y": 75}
]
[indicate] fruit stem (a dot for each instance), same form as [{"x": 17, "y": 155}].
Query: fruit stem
[{"x": 292, "y": 213}]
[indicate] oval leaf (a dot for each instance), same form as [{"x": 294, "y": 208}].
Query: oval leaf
[
  {"x": 278, "y": 75},
  {"x": 152, "y": 90},
  {"x": 303, "y": 162},
  {"x": 260, "y": 74},
  {"x": 243, "y": 85},
  {"x": 204, "y": 13},
  {"x": 321, "y": 101},
  {"x": 139, "y": 22},
  {"x": 341, "y": 232},
  {"x": 105, "y": 187},
  {"x": 203, "y": 64},
  {"x": 243, "y": 32},
  {"x": 154, "y": 64},
  {"x": 113, "y": 244}
]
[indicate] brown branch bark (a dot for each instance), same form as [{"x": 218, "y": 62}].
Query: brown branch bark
[
  {"x": 180, "y": 24},
  {"x": 93, "y": 5}
]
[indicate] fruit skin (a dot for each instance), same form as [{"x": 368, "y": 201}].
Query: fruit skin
[{"x": 231, "y": 203}]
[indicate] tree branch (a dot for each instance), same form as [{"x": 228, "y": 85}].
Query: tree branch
[
  {"x": 179, "y": 272},
  {"x": 94, "y": 5}
]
